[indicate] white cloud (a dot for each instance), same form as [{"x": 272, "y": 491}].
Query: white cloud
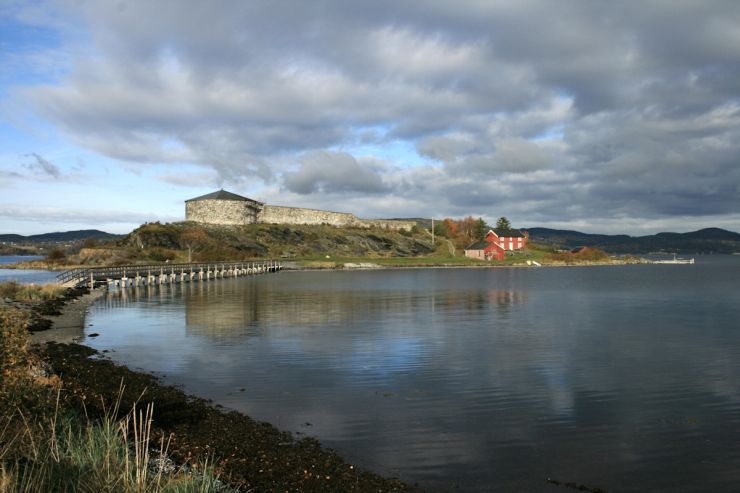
[{"x": 70, "y": 215}]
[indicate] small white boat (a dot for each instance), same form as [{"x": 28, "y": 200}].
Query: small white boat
[{"x": 675, "y": 261}]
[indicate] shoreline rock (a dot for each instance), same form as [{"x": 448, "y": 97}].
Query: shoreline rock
[{"x": 69, "y": 325}]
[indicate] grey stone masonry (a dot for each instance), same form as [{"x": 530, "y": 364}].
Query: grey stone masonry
[
  {"x": 277, "y": 214},
  {"x": 227, "y": 208},
  {"x": 221, "y": 212}
]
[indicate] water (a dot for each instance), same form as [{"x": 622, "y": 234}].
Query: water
[
  {"x": 24, "y": 275},
  {"x": 12, "y": 259},
  {"x": 623, "y": 378}
]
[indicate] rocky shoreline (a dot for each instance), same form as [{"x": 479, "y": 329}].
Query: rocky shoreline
[
  {"x": 251, "y": 455},
  {"x": 68, "y": 325}
]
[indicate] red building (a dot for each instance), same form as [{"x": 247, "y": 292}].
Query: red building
[{"x": 496, "y": 244}]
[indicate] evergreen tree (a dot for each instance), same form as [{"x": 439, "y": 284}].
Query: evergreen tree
[
  {"x": 503, "y": 223},
  {"x": 480, "y": 229}
]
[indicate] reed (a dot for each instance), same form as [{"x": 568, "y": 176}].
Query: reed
[
  {"x": 45, "y": 446},
  {"x": 110, "y": 455}
]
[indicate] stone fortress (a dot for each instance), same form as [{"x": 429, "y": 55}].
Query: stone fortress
[{"x": 224, "y": 207}]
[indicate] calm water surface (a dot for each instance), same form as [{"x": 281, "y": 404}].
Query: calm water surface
[
  {"x": 623, "y": 378},
  {"x": 24, "y": 275}
]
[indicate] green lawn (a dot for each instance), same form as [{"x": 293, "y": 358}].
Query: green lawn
[{"x": 438, "y": 259}]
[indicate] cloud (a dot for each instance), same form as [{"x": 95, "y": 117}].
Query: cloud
[
  {"x": 599, "y": 111},
  {"x": 190, "y": 179},
  {"x": 462, "y": 155},
  {"x": 45, "y": 166},
  {"x": 77, "y": 216},
  {"x": 323, "y": 171}
]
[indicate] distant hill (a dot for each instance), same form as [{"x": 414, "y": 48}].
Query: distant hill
[
  {"x": 12, "y": 238},
  {"x": 60, "y": 237},
  {"x": 709, "y": 240}
]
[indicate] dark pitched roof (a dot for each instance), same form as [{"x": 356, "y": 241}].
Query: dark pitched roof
[
  {"x": 221, "y": 195},
  {"x": 509, "y": 233},
  {"x": 480, "y": 245}
]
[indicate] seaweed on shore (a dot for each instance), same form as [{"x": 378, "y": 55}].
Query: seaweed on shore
[
  {"x": 52, "y": 307},
  {"x": 251, "y": 455}
]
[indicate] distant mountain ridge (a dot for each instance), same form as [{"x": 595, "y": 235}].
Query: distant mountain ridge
[
  {"x": 65, "y": 236},
  {"x": 708, "y": 240}
]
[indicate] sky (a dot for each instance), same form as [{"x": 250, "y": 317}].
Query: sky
[{"x": 598, "y": 116}]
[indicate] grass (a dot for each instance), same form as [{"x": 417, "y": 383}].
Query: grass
[
  {"x": 61, "y": 454},
  {"x": 440, "y": 258},
  {"x": 30, "y": 292},
  {"x": 45, "y": 447},
  {"x": 426, "y": 261}
]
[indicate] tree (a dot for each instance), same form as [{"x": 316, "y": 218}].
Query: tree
[
  {"x": 191, "y": 239},
  {"x": 503, "y": 223},
  {"x": 446, "y": 228},
  {"x": 480, "y": 229},
  {"x": 466, "y": 230},
  {"x": 450, "y": 226}
]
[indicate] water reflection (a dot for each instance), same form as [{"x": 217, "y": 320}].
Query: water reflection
[
  {"x": 467, "y": 378},
  {"x": 228, "y": 307},
  {"x": 507, "y": 297}
]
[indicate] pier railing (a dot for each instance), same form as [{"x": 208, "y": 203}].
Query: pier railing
[{"x": 161, "y": 273}]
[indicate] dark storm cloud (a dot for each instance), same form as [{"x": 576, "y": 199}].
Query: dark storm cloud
[{"x": 593, "y": 109}]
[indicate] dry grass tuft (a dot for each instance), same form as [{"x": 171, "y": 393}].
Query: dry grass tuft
[
  {"x": 30, "y": 292},
  {"x": 45, "y": 447}
]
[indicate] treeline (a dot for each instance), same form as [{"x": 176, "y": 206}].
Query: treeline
[{"x": 463, "y": 232}]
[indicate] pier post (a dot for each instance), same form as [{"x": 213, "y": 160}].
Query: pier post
[{"x": 191, "y": 272}]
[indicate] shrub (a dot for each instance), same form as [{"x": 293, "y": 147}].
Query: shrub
[
  {"x": 586, "y": 254},
  {"x": 157, "y": 256},
  {"x": 57, "y": 255}
]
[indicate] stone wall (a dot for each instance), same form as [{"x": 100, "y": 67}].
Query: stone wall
[
  {"x": 388, "y": 224},
  {"x": 220, "y": 212},
  {"x": 247, "y": 212},
  {"x": 277, "y": 214}
]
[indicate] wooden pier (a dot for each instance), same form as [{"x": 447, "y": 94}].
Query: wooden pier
[{"x": 146, "y": 275}]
